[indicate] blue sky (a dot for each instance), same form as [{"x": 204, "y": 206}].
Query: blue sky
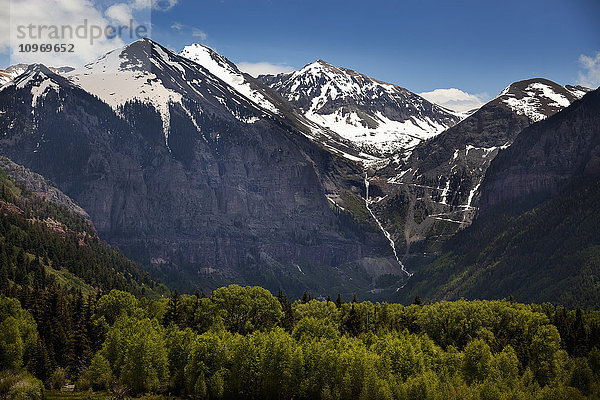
[{"x": 476, "y": 46}]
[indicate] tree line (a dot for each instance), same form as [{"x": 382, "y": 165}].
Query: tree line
[{"x": 243, "y": 342}]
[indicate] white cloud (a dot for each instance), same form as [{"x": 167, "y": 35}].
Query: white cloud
[
  {"x": 177, "y": 26},
  {"x": 263, "y": 68},
  {"x": 4, "y": 26},
  {"x": 163, "y": 5},
  {"x": 121, "y": 13},
  {"x": 455, "y": 99},
  {"x": 187, "y": 30},
  {"x": 591, "y": 77},
  {"x": 66, "y": 16},
  {"x": 199, "y": 34},
  {"x": 58, "y": 13}
]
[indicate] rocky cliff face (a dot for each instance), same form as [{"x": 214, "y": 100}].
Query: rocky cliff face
[
  {"x": 40, "y": 186},
  {"x": 535, "y": 236},
  {"x": 183, "y": 172},
  {"x": 546, "y": 155},
  {"x": 434, "y": 191}
]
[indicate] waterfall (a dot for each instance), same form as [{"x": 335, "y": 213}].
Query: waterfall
[{"x": 385, "y": 233}]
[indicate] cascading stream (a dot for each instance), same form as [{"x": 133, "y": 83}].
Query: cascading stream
[{"x": 385, "y": 233}]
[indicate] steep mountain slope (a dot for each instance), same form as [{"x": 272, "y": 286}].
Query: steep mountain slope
[
  {"x": 546, "y": 156},
  {"x": 225, "y": 70},
  {"x": 8, "y": 74},
  {"x": 42, "y": 242},
  {"x": 550, "y": 252},
  {"x": 427, "y": 196},
  {"x": 182, "y": 171},
  {"x": 40, "y": 186},
  {"x": 263, "y": 96},
  {"x": 379, "y": 118},
  {"x": 536, "y": 236},
  {"x": 146, "y": 72}
]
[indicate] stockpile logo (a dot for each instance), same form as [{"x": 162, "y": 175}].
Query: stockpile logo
[{"x": 74, "y": 32}]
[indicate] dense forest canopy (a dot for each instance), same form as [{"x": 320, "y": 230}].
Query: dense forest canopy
[{"x": 243, "y": 342}]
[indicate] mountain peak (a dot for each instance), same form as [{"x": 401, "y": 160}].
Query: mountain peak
[
  {"x": 38, "y": 69},
  {"x": 14, "y": 71},
  {"x": 38, "y": 80},
  {"x": 226, "y": 71},
  {"x": 34, "y": 75},
  {"x": 377, "y": 117},
  {"x": 209, "y": 59},
  {"x": 198, "y": 47},
  {"x": 322, "y": 62},
  {"x": 537, "y": 98},
  {"x": 320, "y": 66},
  {"x": 518, "y": 87}
]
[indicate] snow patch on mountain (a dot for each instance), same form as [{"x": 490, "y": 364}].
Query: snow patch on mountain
[
  {"x": 11, "y": 72},
  {"x": 538, "y": 100},
  {"x": 223, "y": 69},
  {"x": 36, "y": 78},
  {"x": 117, "y": 80},
  {"x": 41, "y": 90},
  {"x": 377, "y": 117},
  {"x": 389, "y": 136}
]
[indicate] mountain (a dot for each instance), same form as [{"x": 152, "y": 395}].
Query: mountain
[
  {"x": 263, "y": 96},
  {"x": 539, "y": 98},
  {"x": 188, "y": 175},
  {"x": 44, "y": 243},
  {"x": 377, "y": 117},
  {"x": 536, "y": 235},
  {"x": 228, "y": 72},
  {"x": 8, "y": 74},
  {"x": 428, "y": 195},
  {"x": 40, "y": 186},
  {"x": 545, "y": 157}
]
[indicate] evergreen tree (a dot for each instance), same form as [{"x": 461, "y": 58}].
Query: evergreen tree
[
  {"x": 173, "y": 311},
  {"x": 305, "y": 297},
  {"x": 353, "y": 323},
  {"x": 338, "y": 301},
  {"x": 287, "y": 318}
]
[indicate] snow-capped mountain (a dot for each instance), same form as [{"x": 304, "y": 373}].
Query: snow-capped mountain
[
  {"x": 38, "y": 79},
  {"x": 228, "y": 72},
  {"x": 8, "y": 74},
  {"x": 263, "y": 96},
  {"x": 147, "y": 72},
  {"x": 378, "y": 117},
  {"x": 539, "y": 98},
  {"x": 434, "y": 191},
  {"x": 184, "y": 172}
]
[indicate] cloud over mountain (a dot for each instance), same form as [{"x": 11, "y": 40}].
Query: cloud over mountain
[
  {"x": 591, "y": 77},
  {"x": 455, "y": 99},
  {"x": 263, "y": 68}
]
